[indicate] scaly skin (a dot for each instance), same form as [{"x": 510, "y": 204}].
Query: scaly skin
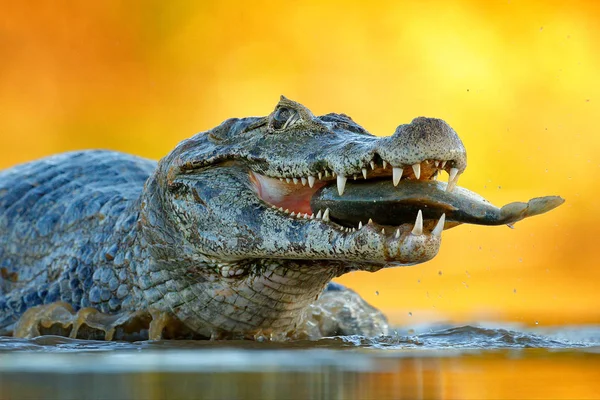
[{"x": 201, "y": 235}]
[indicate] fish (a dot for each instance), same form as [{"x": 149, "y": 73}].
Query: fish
[{"x": 387, "y": 204}]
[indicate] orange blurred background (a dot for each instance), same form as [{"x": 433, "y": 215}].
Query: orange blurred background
[{"x": 519, "y": 81}]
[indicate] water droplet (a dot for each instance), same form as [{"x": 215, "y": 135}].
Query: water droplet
[
  {"x": 260, "y": 338},
  {"x": 514, "y": 290},
  {"x": 440, "y": 273},
  {"x": 537, "y": 322},
  {"x": 377, "y": 293},
  {"x": 410, "y": 313}
]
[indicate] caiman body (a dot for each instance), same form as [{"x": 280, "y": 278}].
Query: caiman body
[{"x": 220, "y": 235}]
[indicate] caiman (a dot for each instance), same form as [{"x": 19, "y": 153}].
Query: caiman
[{"x": 236, "y": 233}]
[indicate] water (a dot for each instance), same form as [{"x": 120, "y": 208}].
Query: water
[{"x": 422, "y": 362}]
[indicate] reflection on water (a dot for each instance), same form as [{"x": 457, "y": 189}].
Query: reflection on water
[{"x": 453, "y": 362}]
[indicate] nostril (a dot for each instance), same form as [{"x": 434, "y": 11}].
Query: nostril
[{"x": 377, "y": 159}]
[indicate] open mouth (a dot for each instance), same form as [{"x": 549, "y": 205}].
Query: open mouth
[
  {"x": 391, "y": 198},
  {"x": 352, "y": 201}
]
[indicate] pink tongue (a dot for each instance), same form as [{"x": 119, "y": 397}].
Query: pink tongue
[
  {"x": 296, "y": 202},
  {"x": 289, "y": 196}
]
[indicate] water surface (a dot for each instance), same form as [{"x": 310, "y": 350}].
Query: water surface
[{"x": 422, "y": 362}]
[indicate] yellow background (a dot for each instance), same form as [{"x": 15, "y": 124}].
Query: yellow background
[{"x": 518, "y": 80}]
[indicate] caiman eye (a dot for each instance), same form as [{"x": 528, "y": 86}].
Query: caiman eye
[{"x": 284, "y": 118}]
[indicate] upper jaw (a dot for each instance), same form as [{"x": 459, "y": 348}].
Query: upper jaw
[{"x": 419, "y": 150}]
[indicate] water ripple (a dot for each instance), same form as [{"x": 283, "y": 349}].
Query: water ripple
[
  {"x": 474, "y": 337},
  {"x": 461, "y": 337}
]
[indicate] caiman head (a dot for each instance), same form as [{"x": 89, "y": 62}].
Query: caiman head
[{"x": 233, "y": 215}]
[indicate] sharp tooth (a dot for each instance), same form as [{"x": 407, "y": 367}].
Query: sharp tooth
[
  {"x": 364, "y": 171},
  {"x": 417, "y": 169},
  {"x": 437, "y": 231},
  {"x": 311, "y": 181},
  {"x": 320, "y": 175},
  {"x": 287, "y": 210},
  {"x": 443, "y": 164},
  {"x": 312, "y": 216},
  {"x": 437, "y": 163},
  {"x": 288, "y": 180},
  {"x": 453, "y": 172},
  {"x": 435, "y": 177},
  {"x": 295, "y": 181},
  {"x": 396, "y": 175},
  {"x": 319, "y": 214},
  {"x": 326, "y": 215},
  {"x": 383, "y": 231},
  {"x": 452, "y": 180},
  {"x": 341, "y": 184},
  {"x": 303, "y": 179},
  {"x": 281, "y": 179},
  {"x": 293, "y": 214},
  {"x": 384, "y": 164},
  {"x": 370, "y": 221},
  {"x": 359, "y": 224},
  {"x": 326, "y": 173},
  {"x": 418, "y": 229},
  {"x": 280, "y": 208},
  {"x": 305, "y": 215},
  {"x": 354, "y": 177},
  {"x": 372, "y": 163},
  {"x": 353, "y": 229},
  {"x": 397, "y": 233}
]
